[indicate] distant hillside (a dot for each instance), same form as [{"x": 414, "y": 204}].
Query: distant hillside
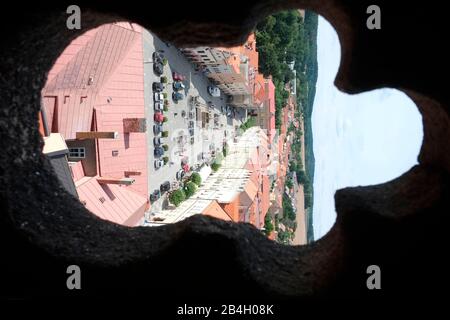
[
  {"x": 311, "y": 23},
  {"x": 283, "y": 38}
]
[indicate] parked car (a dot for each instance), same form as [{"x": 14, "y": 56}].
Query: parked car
[
  {"x": 165, "y": 186},
  {"x": 159, "y": 151},
  {"x": 177, "y": 96},
  {"x": 156, "y": 141},
  {"x": 158, "y": 68},
  {"x": 157, "y": 96},
  {"x": 214, "y": 91},
  {"x": 158, "y": 106},
  {"x": 157, "y": 57},
  {"x": 178, "y": 85},
  {"x": 158, "y": 86},
  {"x": 158, "y": 117},
  {"x": 158, "y": 163},
  {"x": 180, "y": 174},
  {"x": 155, "y": 195},
  {"x": 178, "y": 76},
  {"x": 157, "y": 128}
]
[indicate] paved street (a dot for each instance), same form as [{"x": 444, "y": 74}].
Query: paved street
[{"x": 179, "y": 143}]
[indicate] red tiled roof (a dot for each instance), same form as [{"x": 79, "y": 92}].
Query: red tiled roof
[
  {"x": 72, "y": 86},
  {"x": 272, "y": 235},
  {"x": 259, "y": 91},
  {"x": 77, "y": 170},
  {"x": 265, "y": 197},
  {"x": 101, "y": 73},
  {"x": 111, "y": 202},
  {"x": 216, "y": 211},
  {"x": 271, "y": 97},
  {"x": 232, "y": 209}
]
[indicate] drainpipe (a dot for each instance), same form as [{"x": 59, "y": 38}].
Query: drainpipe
[{"x": 44, "y": 119}]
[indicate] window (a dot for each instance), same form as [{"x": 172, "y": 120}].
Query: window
[{"x": 77, "y": 152}]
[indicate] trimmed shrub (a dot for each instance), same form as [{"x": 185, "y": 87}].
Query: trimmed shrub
[
  {"x": 225, "y": 151},
  {"x": 177, "y": 197},
  {"x": 165, "y": 95},
  {"x": 215, "y": 166},
  {"x": 163, "y": 79},
  {"x": 189, "y": 189},
  {"x": 165, "y": 119},
  {"x": 268, "y": 225},
  {"x": 165, "y": 61},
  {"x": 195, "y": 178},
  {"x": 165, "y": 159},
  {"x": 166, "y": 107},
  {"x": 165, "y": 147},
  {"x": 289, "y": 184},
  {"x": 165, "y": 134}
]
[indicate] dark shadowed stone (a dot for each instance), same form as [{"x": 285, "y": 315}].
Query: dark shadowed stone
[{"x": 400, "y": 225}]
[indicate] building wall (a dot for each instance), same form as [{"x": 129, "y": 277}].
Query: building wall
[{"x": 90, "y": 161}]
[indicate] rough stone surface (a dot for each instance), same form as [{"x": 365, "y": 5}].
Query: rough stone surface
[{"x": 400, "y": 225}]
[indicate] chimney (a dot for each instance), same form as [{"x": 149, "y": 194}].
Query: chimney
[
  {"x": 134, "y": 125},
  {"x": 97, "y": 135},
  {"x": 132, "y": 173},
  {"x": 121, "y": 181}
]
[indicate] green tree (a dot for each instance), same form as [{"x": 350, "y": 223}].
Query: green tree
[
  {"x": 288, "y": 210},
  {"x": 289, "y": 184},
  {"x": 302, "y": 178},
  {"x": 177, "y": 196},
  {"x": 189, "y": 189},
  {"x": 268, "y": 225},
  {"x": 196, "y": 178},
  {"x": 215, "y": 166}
]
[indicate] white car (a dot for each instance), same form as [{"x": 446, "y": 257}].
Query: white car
[
  {"x": 158, "y": 96},
  {"x": 214, "y": 91},
  {"x": 158, "y": 163},
  {"x": 159, "y": 106}
]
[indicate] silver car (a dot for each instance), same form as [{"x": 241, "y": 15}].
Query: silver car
[
  {"x": 159, "y": 163},
  {"x": 158, "y": 106},
  {"x": 158, "y": 96}
]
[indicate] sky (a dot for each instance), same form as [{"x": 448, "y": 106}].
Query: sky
[{"x": 359, "y": 140}]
